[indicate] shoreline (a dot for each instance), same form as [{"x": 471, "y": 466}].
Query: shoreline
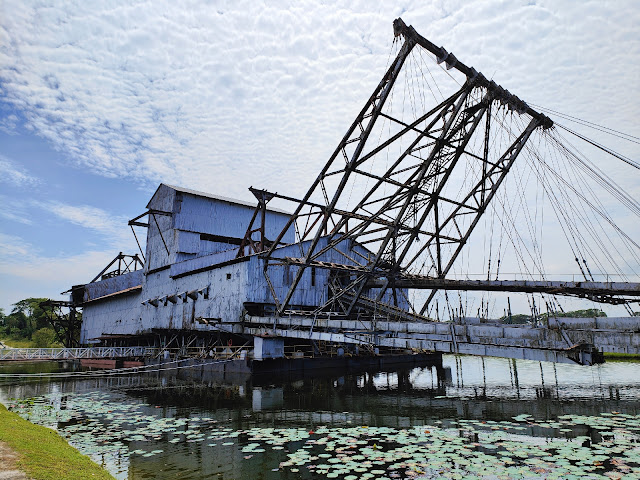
[{"x": 41, "y": 453}]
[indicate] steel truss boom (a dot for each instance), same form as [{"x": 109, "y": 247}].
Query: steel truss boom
[
  {"x": 408, "y": 32},
  {"x": 604, "y": 292},
  {"x": 404, "y": 215}
]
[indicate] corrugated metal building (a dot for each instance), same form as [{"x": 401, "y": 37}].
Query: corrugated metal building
[{"x": 192, "y": 270}]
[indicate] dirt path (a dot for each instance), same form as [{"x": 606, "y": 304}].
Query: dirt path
[{"x": 8, "y": 459}]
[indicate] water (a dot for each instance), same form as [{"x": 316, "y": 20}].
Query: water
[{"x": 474, "y": 418}]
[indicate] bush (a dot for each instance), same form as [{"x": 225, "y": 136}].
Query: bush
[{"x": 43, "y": 338}]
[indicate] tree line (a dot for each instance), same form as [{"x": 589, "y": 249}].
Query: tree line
[
  {"x": 522, "y": 318},
  {"x": 28, "y": 321}
]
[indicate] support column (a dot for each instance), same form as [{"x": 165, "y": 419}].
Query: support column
[{"x": 264, "y": 348}]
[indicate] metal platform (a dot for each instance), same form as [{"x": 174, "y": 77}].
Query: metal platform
[{"x": 565, "y": 340}]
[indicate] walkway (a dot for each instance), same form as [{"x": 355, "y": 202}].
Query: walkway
[{"x": 22, "y": 354}]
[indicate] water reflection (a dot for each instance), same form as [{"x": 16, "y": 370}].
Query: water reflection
[
  {"x": 462, "y": 387},
  {"x": 209, "y": 414}
]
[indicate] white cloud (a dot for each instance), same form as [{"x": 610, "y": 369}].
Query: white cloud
[
  {"x": 199, "y": 94},
  {"x": 14, "y": 210},
  {"x": 24, "y": 269},
  {"x": 112, "y": 228},
  {"x": 100, "y": 221},
  {"x": 12, "y": 246},
  {"x": 13, "y": 174},
  {"x": 8, "y": 123}
]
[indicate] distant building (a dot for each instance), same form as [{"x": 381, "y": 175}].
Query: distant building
[{"x": 193, "y": 275}]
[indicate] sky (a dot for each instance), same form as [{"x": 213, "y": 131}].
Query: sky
[{"x": 99, "y": 103}]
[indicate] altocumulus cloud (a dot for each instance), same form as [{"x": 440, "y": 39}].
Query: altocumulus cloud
[
  {"x": 192, "y": 93},
  {"x": 199, "y": 94}
]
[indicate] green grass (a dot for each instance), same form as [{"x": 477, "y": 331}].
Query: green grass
[
  {"x": 18, "y": 343},
  {"x": 621, "y": 357},
  {"x": 45, "y": 455},
  {"x": 25, "y": 343}
]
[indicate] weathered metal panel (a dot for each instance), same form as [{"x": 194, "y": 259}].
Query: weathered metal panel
[
  {"x": 208, "y": 247},
  {"x": 485, "y": 331},
  {"x": 602, "y": 323},
  {"x": 112, "y": 285},
  {"x": 411, "y": 343},
  {"x": 225, "y": 218},
  {"x": 513, "y": 331},
  {"x": 119, "y": 314},
  {"x": 217, "y": 293},
  {"x": 310, "y": 292},
  {"x": 186, "y": 266},
  {"x": 281, "y": 277},
  {"x": 188, "y": 242},
  {"x": 167, "y": 299},
  {"x": 160, "y": 235},
  {"x": 264, "y": 348},
  {"x": 533, "y": 343}
]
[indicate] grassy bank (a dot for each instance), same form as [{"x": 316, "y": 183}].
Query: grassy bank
[
  {"x": 45, "y": 455},
  {"x": 18, "y": 342},
  {"x": 621, "y": 357}
]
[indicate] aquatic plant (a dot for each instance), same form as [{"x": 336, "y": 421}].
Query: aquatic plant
[{"x": 570, "y": 446}]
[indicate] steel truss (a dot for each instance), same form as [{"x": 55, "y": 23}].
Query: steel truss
[
  {"x": 406, "y": 218},
  {"x": 259, "y": 245},
  {"x": 67, "y": 326},
  {"x": 123, "y": 264}
]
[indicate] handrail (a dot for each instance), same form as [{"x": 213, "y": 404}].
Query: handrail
[{"x": 74, "y": 353}]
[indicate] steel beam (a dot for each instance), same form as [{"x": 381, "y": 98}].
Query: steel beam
[
  {"x": 627, "y": 289},
  {"x": 408, "y": 32},
  {"x": 449, "y": 128}
]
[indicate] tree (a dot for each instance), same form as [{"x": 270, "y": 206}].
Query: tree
[
  {"x": 587, "y": 313},
  {"x": 29, "y": 317},
  {"x": 16, "y": 324},
  {"x": 44, "y": 337},
  {"x": 518, "y": 318},
  {"x": 3, "y": 325}
]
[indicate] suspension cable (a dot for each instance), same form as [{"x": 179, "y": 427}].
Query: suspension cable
[
  {"x": 602, "y": 147},
  {"x": 586, "y": 123}
]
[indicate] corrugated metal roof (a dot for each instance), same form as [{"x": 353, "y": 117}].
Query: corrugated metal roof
[{"x": 221, "y": 198}]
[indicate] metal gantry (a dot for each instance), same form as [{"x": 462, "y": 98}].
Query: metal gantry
[{"x": 406, "y": 217}]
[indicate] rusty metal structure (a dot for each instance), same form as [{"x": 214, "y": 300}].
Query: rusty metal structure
[
  {"x": 406, "y": 215},
  {"x": 392, "y": 210},
  {"x": 121, "y": 264},
  {"x": 64, "y": 317}
]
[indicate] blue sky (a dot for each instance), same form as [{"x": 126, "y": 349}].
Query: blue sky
[{"x": 100, "y": 104}]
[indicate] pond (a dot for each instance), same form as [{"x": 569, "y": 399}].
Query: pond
[{"x": 474, "y": 418}]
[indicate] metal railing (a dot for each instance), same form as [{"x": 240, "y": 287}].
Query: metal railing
[{"x": 74, "y": 353}]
